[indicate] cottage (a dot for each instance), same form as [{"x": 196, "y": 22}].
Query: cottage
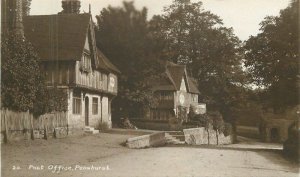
[
  {"x": 66, "y": 45},
  {"x": 176, "y": 92}
]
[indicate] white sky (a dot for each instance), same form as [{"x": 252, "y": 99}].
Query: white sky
[{"x": 243, "y": 15}]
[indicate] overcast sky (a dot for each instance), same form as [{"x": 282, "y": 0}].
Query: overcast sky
[{"x": 243, "y": 15}]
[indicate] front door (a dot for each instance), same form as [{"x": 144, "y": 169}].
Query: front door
[{"x": 86, "y": 111}]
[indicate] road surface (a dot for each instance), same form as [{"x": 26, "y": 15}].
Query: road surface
[{"x": 102, "y": 155}]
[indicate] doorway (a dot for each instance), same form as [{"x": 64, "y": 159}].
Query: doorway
[
  {"x": 86, "y": 111},
  {"x": 274, "y": 135}
]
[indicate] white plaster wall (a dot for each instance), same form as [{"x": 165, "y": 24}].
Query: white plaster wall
[
  {"x": 78, "y": 120},
  {"x": 94, "y": 119},
  {"x": 106, "y": 116},
  {"x": 75, "y": 120}
]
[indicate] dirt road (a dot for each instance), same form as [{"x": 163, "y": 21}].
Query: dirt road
[{"x": 102, "y": 155}]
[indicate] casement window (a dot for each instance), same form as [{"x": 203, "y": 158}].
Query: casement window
[
  {"x": 76, "y": 103},
  {"x": 100, "y": 80},
  {"x": 166, "y": 96},
  {"x": 85, "y": 64},
  {"x": 95, "y": 106},
  {"x": 195, "y": 98}
]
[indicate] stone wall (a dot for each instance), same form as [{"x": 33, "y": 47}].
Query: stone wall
[
  {"x": 196, "y": 136},
  {"x": 200, "y": 136},
  {"x": 144, "y": 141}
]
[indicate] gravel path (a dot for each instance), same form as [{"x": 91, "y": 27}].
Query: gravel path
[{"x": 102, "y": 155}]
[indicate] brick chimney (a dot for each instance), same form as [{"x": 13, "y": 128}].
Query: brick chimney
[{"x": 71, "y": 6}]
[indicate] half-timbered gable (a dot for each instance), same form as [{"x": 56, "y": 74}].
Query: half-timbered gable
[
  {"x": 71, "y": 60},
  {"x": 176, "y": 91}
]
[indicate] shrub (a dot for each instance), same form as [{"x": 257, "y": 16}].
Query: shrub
[
  {"x": 21, "y": 76},
  {"x": 103, "y": 126},
  {"x": 227, "y": 129},
  {"x": 217, "y": 120}
]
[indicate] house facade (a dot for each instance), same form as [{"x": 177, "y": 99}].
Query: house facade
[
  {"x": 71, "y": 61},
  {"x": 176, "y": 93}
]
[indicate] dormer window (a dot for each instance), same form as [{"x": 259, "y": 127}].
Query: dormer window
[{"x": 85, "y": 64}]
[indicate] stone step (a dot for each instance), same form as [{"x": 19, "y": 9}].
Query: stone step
[
  {"x": 89, "y": 128},
  {"x": 91, "y": 131},
  {"x": 177, "y": 134},
  {"x": 170, "y": 139},
  {"x": 175, "y": 142}
]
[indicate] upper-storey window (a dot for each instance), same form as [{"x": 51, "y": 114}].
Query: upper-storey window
[
  {"x": 164, "y": 95},
  {"x": 85, "y": 64},
  {"x": 195, "y": 98}
]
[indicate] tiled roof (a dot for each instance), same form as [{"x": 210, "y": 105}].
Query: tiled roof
[
  {"x": 174, "y": 74},
  {"x": 62, "y": 37},
  {"x": 192, "y": 86},
  {"x": 104, "y": 64},
  {"x": 57, "y": 37}
]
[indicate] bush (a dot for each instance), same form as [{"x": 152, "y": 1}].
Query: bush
[
  {"x": 103, "y": 126},
  {"x": 227, "y": 129},
  {"x": 21, "y": 76}
]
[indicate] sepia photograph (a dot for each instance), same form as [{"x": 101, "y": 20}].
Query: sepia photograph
[{"x": 150, "y": 88}]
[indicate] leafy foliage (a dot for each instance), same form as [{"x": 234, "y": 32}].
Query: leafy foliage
[
  {"x": 122, "y": 35},
  {"x": 21, "y": 79},
  {"x": 272, "y": 58},
  {"x": 185, "y": 33},
  {"x": 197, "y": 38},
  {"x": 23, "y": 86},
  {"x": 26, "y": 7},
  {"x": 50, "y": 100}
]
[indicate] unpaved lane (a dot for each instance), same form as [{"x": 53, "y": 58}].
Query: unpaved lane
[
  {"x": 86, "y": 154},
  {"x": 31, "y": 156},
  {"x": 185, "y": 161}
]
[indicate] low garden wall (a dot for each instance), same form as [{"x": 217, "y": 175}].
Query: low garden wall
[
  {"x": 158, "y": 125},
  {"x": 200, "y": 136},
  {"x": 144, "y": 141}
]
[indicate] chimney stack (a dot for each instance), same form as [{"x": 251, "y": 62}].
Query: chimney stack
[{"x": 71, "y": 6}]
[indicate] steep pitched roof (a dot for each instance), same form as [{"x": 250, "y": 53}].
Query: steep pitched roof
[
  {"x": 57, "y": 37},
  {"x": 163, "y": 83},
  {"x": 174, "y": 74},
  {"x": 192, "y": 86},
  {"x": 104, "y": 64},
  {"x": 62, "y": 37}
]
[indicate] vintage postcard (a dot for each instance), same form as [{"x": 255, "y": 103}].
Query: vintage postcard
[{"x": 150, "y": 88}]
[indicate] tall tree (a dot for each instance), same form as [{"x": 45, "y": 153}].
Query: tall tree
[
  {"x": 122, "y": 35},
  {"x": 26, "y": 7},
  {"x": 197, "y": 37},
  {"x": 272, "y": 58}
]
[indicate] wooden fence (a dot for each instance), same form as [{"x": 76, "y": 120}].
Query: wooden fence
[{"x": 25, "y": 122}]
